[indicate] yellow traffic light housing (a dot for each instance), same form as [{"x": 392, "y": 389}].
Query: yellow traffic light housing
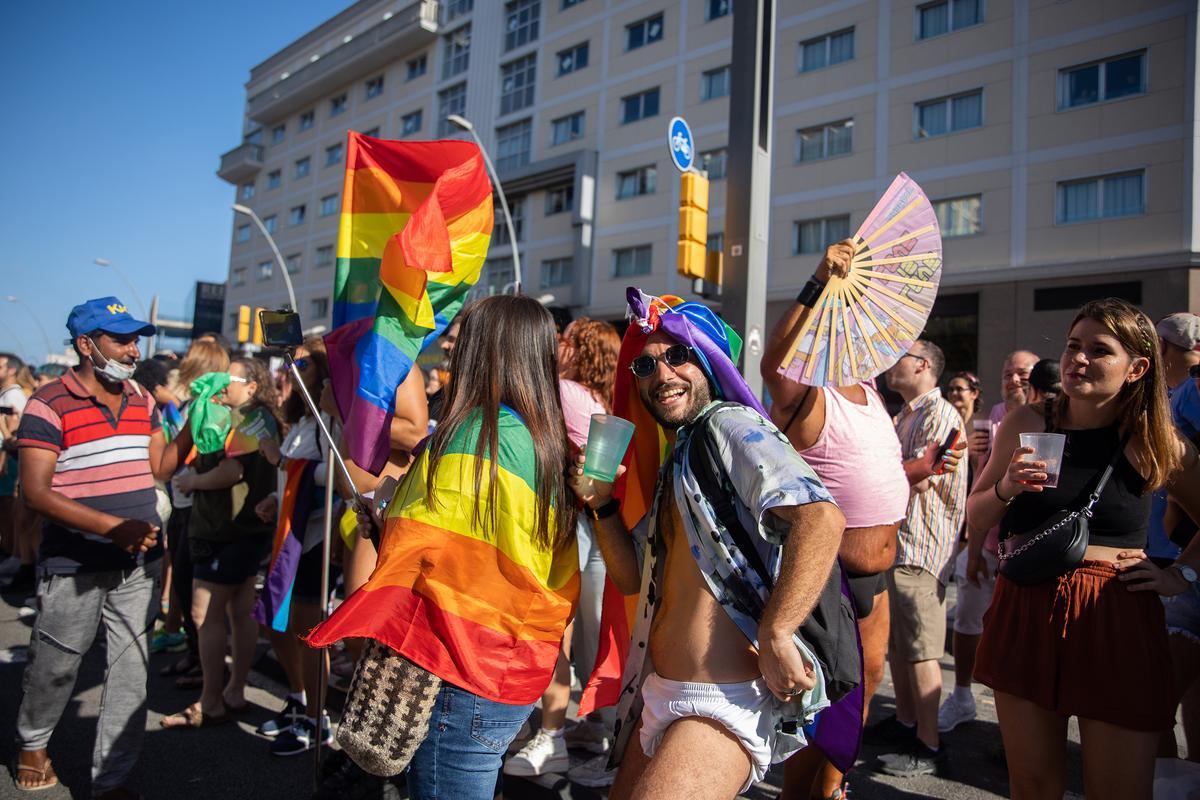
[
  {"x": 243, "y": 324},
  {"x": 257, "y": 337},
  {"x": 693, "y": 225}
]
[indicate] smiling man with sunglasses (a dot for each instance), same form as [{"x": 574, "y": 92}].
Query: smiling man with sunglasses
[{"x": 725, "y": 681}]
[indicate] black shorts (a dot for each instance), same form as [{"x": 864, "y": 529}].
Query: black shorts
[
  {"x": 307, "y": 587},
  {"x": 864, "y": 589},
  {"x": 228, "y": 563}
]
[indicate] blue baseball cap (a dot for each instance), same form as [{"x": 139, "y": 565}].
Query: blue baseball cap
[{"x": 106, "y": 314}]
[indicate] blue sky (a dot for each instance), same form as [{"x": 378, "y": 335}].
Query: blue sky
[{"x": 117, "y": 114}]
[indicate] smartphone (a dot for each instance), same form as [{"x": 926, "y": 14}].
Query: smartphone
[
  {"x": 951, "y": 438},
  {"x": 280, "y": 328},
  {"x": 8, "y": 411}
]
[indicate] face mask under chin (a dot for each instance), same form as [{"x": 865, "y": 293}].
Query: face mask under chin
[{"x": 112, "y": 370}]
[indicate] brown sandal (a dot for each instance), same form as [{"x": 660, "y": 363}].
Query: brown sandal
[
  {"x": 194, "y": 717},
  {"x": 45, "y": 774}
]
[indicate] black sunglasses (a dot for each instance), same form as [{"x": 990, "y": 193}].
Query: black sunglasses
[{"x": 674, "y": 356}]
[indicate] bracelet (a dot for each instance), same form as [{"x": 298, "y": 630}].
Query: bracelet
[
  {"x": 996, "y": 490},
  {"x": 810, "y": 293},
  {"x": 606, "y": 510}
]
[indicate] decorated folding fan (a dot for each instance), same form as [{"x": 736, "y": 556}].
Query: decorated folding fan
[
  {"x": 249, "y": 433},
  {"x": 863, "y": 323}
]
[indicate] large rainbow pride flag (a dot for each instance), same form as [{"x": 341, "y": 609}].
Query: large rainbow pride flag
[
  {"x": 414, "y": 232},
  {"x": 482, "y": 609}
]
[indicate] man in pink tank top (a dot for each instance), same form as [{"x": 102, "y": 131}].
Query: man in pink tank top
[{"x": 846, "y": 435}]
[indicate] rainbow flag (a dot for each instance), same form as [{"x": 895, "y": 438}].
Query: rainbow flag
[
  {"x": 484, "y": 610},
  {"x": 274, "y": 606},
  {"x": 414, "y": 232}
]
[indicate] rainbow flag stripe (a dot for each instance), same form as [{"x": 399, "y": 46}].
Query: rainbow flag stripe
[
  {"x": 485, "y": 611},
  {"x": 274, "y": 606},
  {"x": 413, "y": 236}
]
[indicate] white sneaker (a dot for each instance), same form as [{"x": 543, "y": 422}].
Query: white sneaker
[
  {"x": 590, "y": 735},
  {"x": 542, "y": 754},
  {"x": 955, "y": 712},
  {"x": 593, "y": 773}
]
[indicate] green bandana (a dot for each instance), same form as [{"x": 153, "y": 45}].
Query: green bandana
[{"x": 210, "y": 421}]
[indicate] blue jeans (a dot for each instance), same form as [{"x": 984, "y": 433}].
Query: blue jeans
[{"x": 468, "y": 737}]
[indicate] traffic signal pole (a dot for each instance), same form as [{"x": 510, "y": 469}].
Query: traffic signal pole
[{"x": 748, "y": 187}]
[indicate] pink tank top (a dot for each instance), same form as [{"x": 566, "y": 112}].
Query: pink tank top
[{"x": 857, "y": 457}]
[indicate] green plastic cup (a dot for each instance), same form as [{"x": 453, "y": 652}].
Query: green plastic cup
[{"x": 608, "y": 438}]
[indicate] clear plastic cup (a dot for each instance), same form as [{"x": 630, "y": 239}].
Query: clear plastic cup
[
  {"x": 983, "y": 426},
  {"x": 608, "y": 438},
  {"x": 1047, "y": 447}
]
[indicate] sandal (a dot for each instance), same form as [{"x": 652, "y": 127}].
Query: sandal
[
  {"x": 46, "y": 777},
  {"x": 194, "y": 717},
  {"x": 183, "y": 666}
]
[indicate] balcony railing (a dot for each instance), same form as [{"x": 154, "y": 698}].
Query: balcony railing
[{"x": 241, "y": 163}]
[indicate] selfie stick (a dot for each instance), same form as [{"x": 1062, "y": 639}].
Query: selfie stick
[{"x": 316, "y": 412}]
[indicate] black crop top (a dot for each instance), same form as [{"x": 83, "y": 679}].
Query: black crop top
[{"x": 1118, "y": 520}]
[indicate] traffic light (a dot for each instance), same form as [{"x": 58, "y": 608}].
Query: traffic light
[
  {"x": 257, "y": 336},
  {"x": 243, "y": 324},
  {"x": 693, "y": 225}
]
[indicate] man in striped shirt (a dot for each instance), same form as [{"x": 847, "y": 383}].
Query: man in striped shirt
[
  {"x": 91, "y": 444},
  {"x": 924, "y": 555}
]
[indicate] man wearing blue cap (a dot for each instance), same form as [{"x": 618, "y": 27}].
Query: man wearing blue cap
[{"x": 91, "y": 444}]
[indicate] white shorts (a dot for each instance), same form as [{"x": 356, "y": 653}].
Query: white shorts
[
  {"x": 748, "y": 710},
  {"x": 973, "y": 600}
]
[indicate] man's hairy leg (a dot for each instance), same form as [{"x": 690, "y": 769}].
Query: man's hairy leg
[{"x": 698, "y": 758}]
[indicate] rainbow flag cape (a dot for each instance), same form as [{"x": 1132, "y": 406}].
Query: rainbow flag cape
[
  {"x": 484, "y": 610},
  {"x": 414, "y": 232},
  {"x": 274, "y": 604}
]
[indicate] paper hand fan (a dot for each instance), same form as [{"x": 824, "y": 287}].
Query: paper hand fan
[{"x": 863, "y": 323}]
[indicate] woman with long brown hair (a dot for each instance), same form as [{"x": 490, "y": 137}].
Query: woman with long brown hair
[{"x": 1092, "y": 642}]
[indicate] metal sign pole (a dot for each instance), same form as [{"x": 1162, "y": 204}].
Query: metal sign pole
[{"x": 323, "y": 682}]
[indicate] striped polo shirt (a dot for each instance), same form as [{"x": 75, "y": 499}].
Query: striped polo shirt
[
  {"x": 103, "y": 463},
  {"x": 935, "y": 516}
]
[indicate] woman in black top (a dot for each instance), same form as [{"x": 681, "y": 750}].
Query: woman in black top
[{"x": 1088, "y": 644}]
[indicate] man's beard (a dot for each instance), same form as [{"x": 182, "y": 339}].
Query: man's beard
[{"x": 698, "y": 397}]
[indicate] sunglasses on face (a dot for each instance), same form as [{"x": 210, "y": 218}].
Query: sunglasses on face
[
  {"x": 302, "y": 364},
  {"x": 674, "y": 356}
]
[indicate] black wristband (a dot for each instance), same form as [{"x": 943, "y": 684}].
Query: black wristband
[
  {"x": 606, "y": 510},
  {"x": 1000, "y": 497},
  {"x": 810, "y": 293}
]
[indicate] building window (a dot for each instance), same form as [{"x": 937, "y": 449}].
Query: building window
[
  {"x": 456, "y": 8},
  {"x": 253, "y": 137},
  {"x": 320, "y": 307},
  {"x": 243, "y": 234},
  {"x": 337, "y": 105},
  {"x": 247, "y": 191},
  {"x": 949, "y": 114},
  {"x": 239, "y": 276},
  {"x": 293, "y": 263},
  {"x": 715, "y": 242},
  {"x": 1118, "y": 195},
  {"x": 410, "y": 123},
  {"x": 567, "y": 129},
  {"x": 570, "y": 4},
  {"x": 324, "y": 256},
  {"x": 498, "y": 274},
  {"x": 825, "y": 51},
  {"x": 374, "y": 87},
  {"x": 303, "y": 165},
  {"x": 373, "y": 133},
  {"x": 296, "y": 215},
  {"x": 1070, "y": 298},
  {"x": 715, "y": 163},
  {"x": 274, "y": 179},
  {"x": 456, "y": 52},
  {"x": 560, "y": 199},
  {"x": 630, "y": 261},
  {"x": 513, "y": 144},
  {"x": 521, "y": 22},
  {"x": 812, "y": 236},
  {"x": 825, "y": 141},
  {"x": 329, "y": 205},
  {"x": 639, "y": 106},
  {"x": 415, "y": 67},
  {"x": 715, "y": 9},
  {"x": 959, "y": 216},
  {"x": 516, "y": 84},
  {"x": 572, "y": 59},
  {"x": 450, "y": 101},
  {"x": 644, "y": 32},
  {"x": 714, "y": 83},
  {"x": 265, "y": 270},
  {"x": 1103, "y": 80},
  {"x": 934, "y": 19},
  {"x": 516, "y": 209},
  {"x": 270, "y": 224},
  {"x": 307, "y": 119},
  {"x": 277, "y": 133},
  {"x": 333, "y": 154},
  {"x": 636, "y": 182},
  {"x": 556, "y": 272}
]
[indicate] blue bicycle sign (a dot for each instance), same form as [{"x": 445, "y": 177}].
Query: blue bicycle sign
[{"x": 681, "y": 144}]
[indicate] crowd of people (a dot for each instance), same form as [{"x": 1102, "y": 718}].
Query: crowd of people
[{"x": 154, "y": 500}]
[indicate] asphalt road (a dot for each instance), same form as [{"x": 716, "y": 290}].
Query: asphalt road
[{"x": 232, "y": 762}]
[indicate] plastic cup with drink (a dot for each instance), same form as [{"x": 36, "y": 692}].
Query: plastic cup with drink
[
  {"x": 1047, "y": 447},
  {"x": 608, "y": 438}
]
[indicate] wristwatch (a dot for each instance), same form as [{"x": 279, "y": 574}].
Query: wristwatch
[
  {"x": 1187, "y": 572},
  {"x": 608, "y": 509}
]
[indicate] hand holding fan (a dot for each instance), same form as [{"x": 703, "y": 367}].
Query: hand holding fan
[{"x": 864, "y": 322}]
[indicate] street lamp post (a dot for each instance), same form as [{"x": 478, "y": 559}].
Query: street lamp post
[
  {"x": 287, "y": 279},
  {"x": 17, "y": 339},
  {"x": 36, "y": 321},
  {"x": 466, "y": 125},
  {"x": 104, "y": 262}
]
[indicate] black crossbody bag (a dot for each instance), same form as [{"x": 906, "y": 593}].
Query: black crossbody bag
[{"x": 1058, "y": 545}]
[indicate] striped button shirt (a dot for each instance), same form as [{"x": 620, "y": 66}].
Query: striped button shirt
[
  {"x": 935, "y": 516},
  {"x": 103, "y": 463}
]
